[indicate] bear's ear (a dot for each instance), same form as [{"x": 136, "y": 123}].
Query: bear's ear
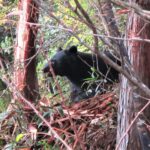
[
  {"x": 73, "y": 49},
  {"x": 59, "y": 49}
]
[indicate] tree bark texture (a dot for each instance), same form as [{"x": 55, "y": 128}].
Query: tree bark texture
[
  {"x": 25, "y": 78},
  {"x": 131, "y": 99}
]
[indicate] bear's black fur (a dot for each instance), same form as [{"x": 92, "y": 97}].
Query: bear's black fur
[{"x": 77, "y": 66}]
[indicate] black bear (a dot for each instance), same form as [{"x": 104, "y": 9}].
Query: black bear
[{"x": 79, "y": 66}]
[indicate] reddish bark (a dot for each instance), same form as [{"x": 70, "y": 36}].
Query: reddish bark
[
  {"x": 131, "y": 102},
  {"x": 25, "y": 78}
]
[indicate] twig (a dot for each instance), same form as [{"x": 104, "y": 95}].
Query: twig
[
  {"x": 143, "y": 13},
  {"x": 132, "y": 122},
  {"x": 19, "y": 95},
  {"x": 90, "y": 24}
]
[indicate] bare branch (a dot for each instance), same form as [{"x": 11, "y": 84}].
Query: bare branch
[
  {"x": 91, "y": 24},
  {"x": 132, "y": 122},
  {"x": 133, "y": 6},
  {"x": 20, "y": 96}
]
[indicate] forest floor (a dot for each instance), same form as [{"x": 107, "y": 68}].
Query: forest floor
[{"x": 89, "y": 124}]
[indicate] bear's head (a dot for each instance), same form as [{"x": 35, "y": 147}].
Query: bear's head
[{"x": 61, "y": 61}]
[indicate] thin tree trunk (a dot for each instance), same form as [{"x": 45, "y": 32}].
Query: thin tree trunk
[
  {"x": 25, "y": 78},
  {"x": 131, "y": 101}
]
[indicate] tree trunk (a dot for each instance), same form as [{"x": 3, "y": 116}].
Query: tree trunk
[
  {"x": 25, "y": 78},
  {"x": 131, "y": 99}
]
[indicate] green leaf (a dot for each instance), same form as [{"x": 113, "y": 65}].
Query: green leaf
[
  {"x": 9, "y": 146},
  {"x": 4, "y": 115},
  {"x": 60, "y": 110},
  {"x": 19, "y": 137}
]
